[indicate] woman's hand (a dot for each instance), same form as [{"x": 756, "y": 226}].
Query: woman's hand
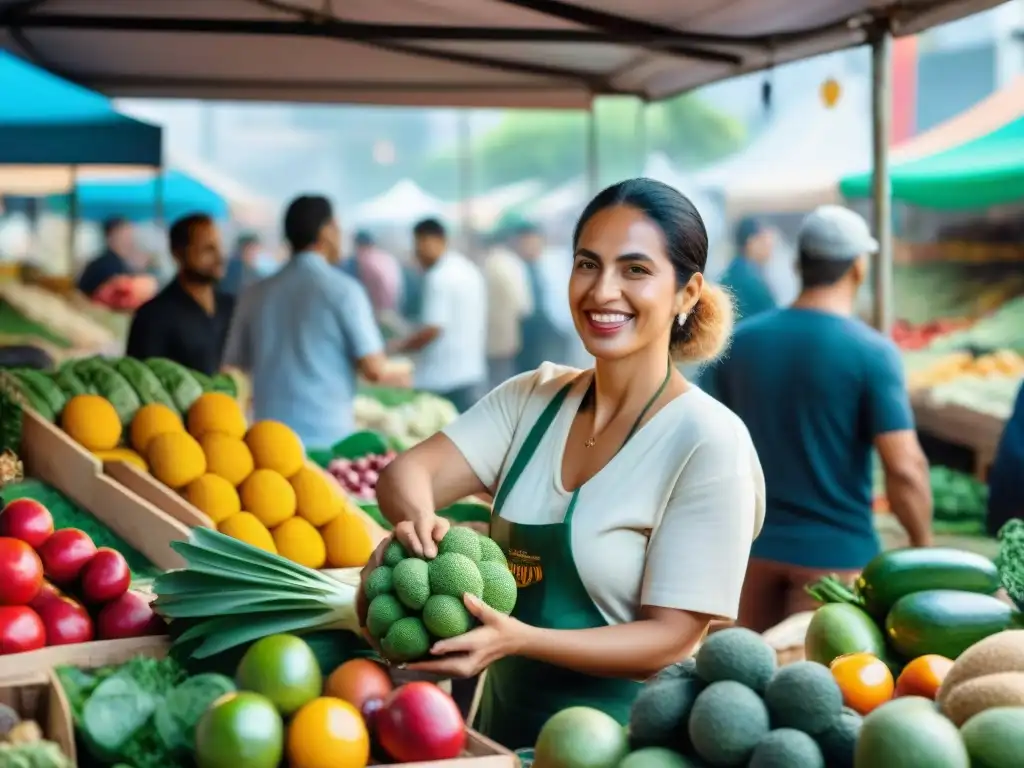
[
  {"x": 419, "y": 537},
  {"x": 470, "y": 654}
]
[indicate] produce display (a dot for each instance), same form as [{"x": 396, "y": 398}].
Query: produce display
[
  {"x": 407, "y": 418},
  {"x": 934, "y": 370},
  {"x": 58, "y": 588},
  {"x": 22, "y": 744},
  {"x": 276, "y": 703},
  {"x": 910, "y": 337},
  {"x": 414, "y": 601},
  {"x": 253, "y": 482},
  {"x": 960, "y": 502},
  {"x": 927, "y": 292},
  {"x": 992, "y": 396},
  {"x": 998, "y": 330},
  {"x": 61, "y": 323},
  {"x": 359, "y": 476},
  {"x": 909, "y": 603}
]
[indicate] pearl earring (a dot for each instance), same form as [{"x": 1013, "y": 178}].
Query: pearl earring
[{"x": 681, "y": 319}]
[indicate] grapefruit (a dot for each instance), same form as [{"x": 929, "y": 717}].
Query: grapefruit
[
  {"x": 328, "y": 733},
  {"x": 282, "y": 668},
  {"x": 358, "y": 681},
  {"x": 580, "y": 737},
  {"x": 240, "y": 729}
]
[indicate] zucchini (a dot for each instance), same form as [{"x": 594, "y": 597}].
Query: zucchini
[
  {"x": 69, "y": 381},
  {"x": 946, "y": 622},
  {"x": 178, "y": 380},
  {"x": 145, "y": 383},
  {"x": 900, "y": 572},
  {"x": 45, "y": 387},
  {"x": 100, "y": 375}
]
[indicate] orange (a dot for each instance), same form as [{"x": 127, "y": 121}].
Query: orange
[
  {"x": 327, "y": 733},
  {"x": 865, "y": 681},
  {"x": 358, "y": 681},
  {"x": 923, "y": 676}
]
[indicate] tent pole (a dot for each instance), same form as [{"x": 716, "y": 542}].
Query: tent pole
[
  {"x": 881, "y": 113},
  {"x": 72, "y": 220},
  {"x": 593, "y": 179},
  {"x": 466, "y": 180},
  {"x": 641, "y": 133}
]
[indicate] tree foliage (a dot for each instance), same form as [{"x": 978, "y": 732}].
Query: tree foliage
[{"x": 552, "y": 145}]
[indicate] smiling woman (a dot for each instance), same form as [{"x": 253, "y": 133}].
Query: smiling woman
[{"x": 625, "y": 498}]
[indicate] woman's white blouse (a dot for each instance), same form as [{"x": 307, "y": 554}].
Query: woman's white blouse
[{"x": 668, "y": 522}]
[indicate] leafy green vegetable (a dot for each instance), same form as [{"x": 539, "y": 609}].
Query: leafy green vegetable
[
  {"x": 117, "y": 708},
  {"x": 1010, "y": 560},
  {"x": 176, "y": 717}
]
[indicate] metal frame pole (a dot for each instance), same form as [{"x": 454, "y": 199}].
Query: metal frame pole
[
  {"x": 881, "y": 109},
  {"x": 641, "y": 133},
  {"x": 465, "y": 151}
]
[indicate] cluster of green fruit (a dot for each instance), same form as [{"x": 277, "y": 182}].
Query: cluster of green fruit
[
  {"x": 414, "y": 601},
  {"x": 731, "y": 705}
]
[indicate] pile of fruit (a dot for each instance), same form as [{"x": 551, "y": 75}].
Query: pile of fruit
[
  {"x": 57, "y": 588},
  {"x": 414, "y": 600},
  {"x": 909, "y": 336},
  {"x": 22, "y": 743},
  {"x": 125, "y": 383},
  {"x": 285, "y": 709},
  {"x": 406, "y": 419},
  {"x": 947, "y": 368},
  {"x": 254, "y": 482},
  {"x": 359, "y": 476},
  {"x": 909, "y": 603}
]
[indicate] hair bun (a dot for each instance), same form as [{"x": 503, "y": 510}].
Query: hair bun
[{"x": 705, "y": 335}]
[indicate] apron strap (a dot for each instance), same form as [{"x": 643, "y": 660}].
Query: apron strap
[{"x": 536, "y": 434}]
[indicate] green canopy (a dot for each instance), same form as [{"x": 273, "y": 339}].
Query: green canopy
[{"x": 981, "y": 173}]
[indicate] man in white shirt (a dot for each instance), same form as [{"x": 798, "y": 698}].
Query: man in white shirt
[
  {"x": 509, "y": 301},
  {"x": 450, "y": 347}
]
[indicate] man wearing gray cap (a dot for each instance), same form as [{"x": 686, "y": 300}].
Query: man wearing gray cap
[{"x": 818, "y": 390}]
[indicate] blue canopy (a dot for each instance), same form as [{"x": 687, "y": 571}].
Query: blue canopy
[
  {"x": 45, "y": 120},
  {"x": 137, "y": 199}
]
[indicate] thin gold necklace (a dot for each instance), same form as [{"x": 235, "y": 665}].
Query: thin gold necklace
[{"x": 592, "y": 440}]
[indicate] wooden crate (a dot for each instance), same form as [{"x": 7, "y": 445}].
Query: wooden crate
[
  {"x": 34, "y": 667},
  {"x": 48, "y": 454},
  {"x": 38, "y": 701},
  {"x": 480, "y": 752}
]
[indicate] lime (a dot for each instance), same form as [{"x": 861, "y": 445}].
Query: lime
[
  {"x": 282, "y": 668},
  {"x": 240, "y": 729}
]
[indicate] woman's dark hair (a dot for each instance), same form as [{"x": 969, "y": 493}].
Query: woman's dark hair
[
  {"x": 708, "y": 326},
  {"x": 305, "y": 218}
]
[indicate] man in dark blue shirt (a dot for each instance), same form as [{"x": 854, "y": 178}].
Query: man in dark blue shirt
[
  {"x": 818, "y": 390},
  {"x": 744, "y": 277},
  {"x": 1005, "y": 487},
  {"x": 113, "y": 262}
]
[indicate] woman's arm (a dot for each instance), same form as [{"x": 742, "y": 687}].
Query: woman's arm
[
  {"x": 634, "y": 651},
  {"x": 420, "y": 481}
]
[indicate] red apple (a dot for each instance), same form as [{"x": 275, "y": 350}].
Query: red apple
[
  {"x": 21, "y": 572},
  {"x": 418, "y": 723},
  {"x": 66, "y": 622},
  {"x": 66, "y": 553},
  {"x": 28, "y": 520},
  {"x": 106, "y": 576}
]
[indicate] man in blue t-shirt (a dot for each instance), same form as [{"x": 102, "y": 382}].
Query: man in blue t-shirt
[
  {"x": 744, "y": 277},
  {"x": 818, "y": 390}
]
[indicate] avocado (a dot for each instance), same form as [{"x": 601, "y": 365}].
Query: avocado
[
  {"x": 805, "y": 696},
  {"x": 787, "y": 748},
  {"x": 727, "y": 722},
  {"x": 383, "y": 611},
  {"x": 465, "y": 541},
  {"x": 737, "y": 654},
  {"x": 904, "y": 733},
  {"x": 394, "y": 553},
  {"x": 379, "y": 582},
  {"x": 659, "y": 714},
  {"x": 412, "y": 582},
  {"x": 455, "y": 574},
  {"x": 407, "y": 640},
  {"x": 446, "y": 616},
  {"x": 995, "y": 738},
  {"x": 500, "y": 590},
  {"x": 839, "y": 742}
]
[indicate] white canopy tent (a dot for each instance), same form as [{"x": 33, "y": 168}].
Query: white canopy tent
[
  {"x": 403, "y": 204},
  {"x": 793, "y": 166}
]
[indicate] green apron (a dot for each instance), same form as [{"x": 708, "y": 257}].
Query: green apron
[{"x": 520, "y": 694}]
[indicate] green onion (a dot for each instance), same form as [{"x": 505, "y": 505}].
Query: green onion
[{"x": 232, "y": 593}]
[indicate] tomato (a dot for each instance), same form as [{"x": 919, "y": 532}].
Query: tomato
[
  {"x": 28, "y": 520},
  {"x": 21, "y": 630},
  {"x": 21, "y": 572}
]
